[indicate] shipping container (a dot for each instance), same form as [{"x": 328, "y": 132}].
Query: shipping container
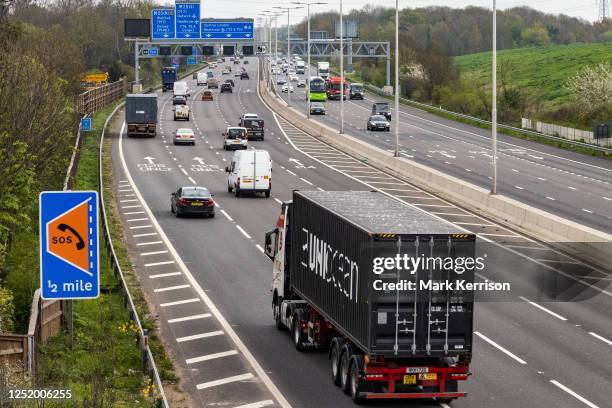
[{"x": 141, "y": 114}]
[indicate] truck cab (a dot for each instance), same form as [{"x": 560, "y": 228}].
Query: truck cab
[{"x": 382, "y": 108}]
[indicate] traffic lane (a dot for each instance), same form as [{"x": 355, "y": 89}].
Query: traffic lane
[{"x": 590, "y": 207}]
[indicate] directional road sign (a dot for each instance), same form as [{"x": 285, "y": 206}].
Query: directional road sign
[
  {"x": 86, "y": 124},
  {"x": 191, "y": 60},
  {"x": 216, "y": 30},
  {"x": 187, "y": 20},
  {"x": 162, "y": 26},
  {"x": 153, "y": 51},
  {"x": 69, "y": 256}
]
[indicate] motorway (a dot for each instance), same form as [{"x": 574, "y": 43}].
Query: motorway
[
  {"x": 574, "y": 186},
  {"x": 210, "y": 283}
]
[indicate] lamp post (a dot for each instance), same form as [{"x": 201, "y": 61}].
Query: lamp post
[
  {"x": 341, "y": 71},
  {"x": 288, "y": 10},
  {"x": 308, "y": 63},
  {"x": 397, "y": 87},
  {"x": 494, "y": 101}
]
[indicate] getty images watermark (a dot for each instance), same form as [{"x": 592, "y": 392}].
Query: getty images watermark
[{"x": 425, "y": 268}]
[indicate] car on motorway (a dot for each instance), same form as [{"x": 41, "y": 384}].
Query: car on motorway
[
  {"x": 317, "y": 108},
  {"x": 225, "y": 72},
  {"x": 245, "y": 62},
  {"x": 192, "y": 200},
  {"x": 210, "y": 74},
  {"x": 281, "y": 81},
  {"x": 179, "y": 100},
  {"x": 294, "y": 78},
  {"x": 184, "y": 136},
  {"x": 226, "y": 87},
  {"x": 246, "y": 116},
  {"x": 287, "y": 89},
  {"x": 378, "y": 122},
  {"x": 244, "y": 75},
  {"x": 250, "y": 172},
  {"x": 231, "y": 59},
  {"x": 213, "y": 83},
  {"x": 181, "y": 112},
  {"x": 381, "y": 108},
  {"x": 236, "y": 62},
  {"x": 235, "y": 138},
  {"x": 202, "y": 79},
  {"x": 356, "y": 91},
  {"x": 213, "y": 65},
  {"x": 230, "y": 81},
  {"x": 301, "y": 83},
  {"x": 207, "y": 95}
]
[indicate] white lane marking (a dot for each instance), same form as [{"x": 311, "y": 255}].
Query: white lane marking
[
  {"x": 550, "y": 312},
  {"x": 550, "y": 198},
  {"x": 153, "y": 253},
  {"x": 227, "y": 215},
  {"x": 477, "y": 224},
  {"x": 211, "y": 356},
  {"x": 141, "y": 226},
  {"x": 320, "y": 189},
  {"x": 131, "y": 200},
  {"x": 597, "y": 336},
  {"x": 124, "y": 190},
  {"x": 170, "y": 288},
  {"x": 282, "y": 401},
  {"x": 497, "y": 235},
  {"x": 164, "y": 275},
  {"x": 259, "y": 404},
  {"x": 557, "y": 261},
  {"x": 588, "y": 211},
  {"x": 277, "y": 200},
  {"x": 454, "y": 214},
  {"x": 305, "y": 181},
  {"x": 128, "y": 195},
  {"x": 243, "y": 231},
  {"x": 184, "y": 171},
  {"x": 433, "y": 205},
  {"x": 290, "y": 172},
  {"x": 500, "y": 348},
  {"x": 179, "y": 302},
  {"x": 138, "y": 219},
  {"x": 571, "y": 188},
  {"x": 260, "y": 248},
  {"x": 192, "y": 180},
  {"x": 573, "y": 394},
  {"x": 134, "y": 213},
  {"x": 519, "y": 187},
  {"x": 148, "y": 265},
  {"x": 187, "y": 318},
  {"x": 131, "y": 206},
  {"x": 148, "y": 234},
  {"x": 241, "y": 377},
  {"x": 527, "y": 247},
  {"x": 149, "y": 243},
  {"x": 199, "y": 336}
]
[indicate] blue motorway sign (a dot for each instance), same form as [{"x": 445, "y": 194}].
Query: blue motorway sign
[
  {"x": 162, "y": 24},
  {"x": 216, "y": 30},
  {"x": 69, "y": 255},
  {"x": 152, "y": 51},
  {"x": 187, "y": 20},
  {"x": 191, "y": 60},
  {"x": 86, "y": 124}
]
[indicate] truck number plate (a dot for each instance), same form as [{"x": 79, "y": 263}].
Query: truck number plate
[
  {"x": 410, "y": 379},
  {"x": 417, "y": 370}
]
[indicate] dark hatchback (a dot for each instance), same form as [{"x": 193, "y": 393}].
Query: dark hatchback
[
  {"x": 226, "y": 87},
  {"x": 192, "y": 201}
]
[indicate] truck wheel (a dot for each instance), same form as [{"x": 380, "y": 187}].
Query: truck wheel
[
  {"x": 229, "y": 189},
  {"x": 268, "y": 193},
  {"x": 344, "y": 373},
  {"x": 236, "y": 192},
  {"x": 297, "y": 335},
  {"x": 354, "y": 385},
  {"x": 335, "y": 364},
  {"x": 277, "y": 316}
]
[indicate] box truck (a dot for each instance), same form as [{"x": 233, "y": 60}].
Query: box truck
[
  {"x": 168, "y": 77},
  {"x": 342, "y": 281},
  {"x": 323, "y": 69},
  {"x": 141, "y": 114},
  {"x": 300, "y": 67}
]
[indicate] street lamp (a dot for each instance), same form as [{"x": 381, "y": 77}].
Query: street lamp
[
  {"x": 397, "y": 87},
  {"x": 494, "y": 101},
  {"x": 308, "y": 66},
  {"x": 341, "y": 71},
  {"x": 288, "y": 10}
]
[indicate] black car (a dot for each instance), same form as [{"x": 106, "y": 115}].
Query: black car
[
  {"x": 226, "y": 87},
  {"x": 378, "y": 122},
  {"x": 245, "y": 62},
  {"x": 230, "y": 81},
  {"x": 192, "y": 200},
  {"x": 236, "y": 62},
  {"x": 244, "y": 75},
  {"x": 381, "y": 108},
  {"x": 179, "y": 100}
]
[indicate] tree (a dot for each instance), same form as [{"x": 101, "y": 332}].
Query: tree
[
  {"x": 535, "y": 36},
  {"x": 592, "y": 87}
]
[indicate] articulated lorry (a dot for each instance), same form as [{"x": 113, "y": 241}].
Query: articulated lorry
[
  {"x": 168, "y": 78},
  {"x": 362, "y": 275},
  {"x": 141, "y": 114}
]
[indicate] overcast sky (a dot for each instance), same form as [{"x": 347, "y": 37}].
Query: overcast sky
[{"x": 586, "y": 9}]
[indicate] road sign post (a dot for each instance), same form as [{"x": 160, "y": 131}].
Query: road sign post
[
  {"x": 86, "y": 124},
  {"x": 69, "y": 256}
]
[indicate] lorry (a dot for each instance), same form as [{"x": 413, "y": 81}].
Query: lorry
[
  {"x": 300, "y": 67},
  {"x": 334, "y": 86},
  {"x": 202, "y": 79},
  {"x": 323, "y": 69},
  {"x": 181, "y": 112},
  {"x": 180, "y": 88},
  {"x": 168, "y": 78},
  {"x": 141, "y": 114},
  {"x": 342, "y": 281},
  {"x": 253, "y": 125}
]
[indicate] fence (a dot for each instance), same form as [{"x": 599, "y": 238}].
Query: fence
[
  {"x": 564, "y": 132},
  {"x": 96, "y": 99}
]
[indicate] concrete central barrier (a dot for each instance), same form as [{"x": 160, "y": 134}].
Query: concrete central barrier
[{"x": 581, "y": 241}]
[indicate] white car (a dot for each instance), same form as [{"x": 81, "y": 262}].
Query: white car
[
  {"x": 213, "y": 65},
  {"x": 287, "y": 89},
  {"x": 225, "y": 72},
  {"x": 184, "y": 136},
  {"x": 294, "y": 78},
  {"x": 235, "y": 138},
  {"x": 281, "y": 81},
  {"x": 301, "y": 83}
]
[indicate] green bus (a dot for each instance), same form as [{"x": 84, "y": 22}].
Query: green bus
[{"x": 316, "y": 90}]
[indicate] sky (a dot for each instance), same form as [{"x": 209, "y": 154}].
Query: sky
[{"x": 586, "y": 9}]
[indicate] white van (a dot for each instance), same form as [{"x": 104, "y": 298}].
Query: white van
[
  {"x": 180, "y": 88},
  {"x": 202, "y": 79},
  {"x": 250, "y": 171}
]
